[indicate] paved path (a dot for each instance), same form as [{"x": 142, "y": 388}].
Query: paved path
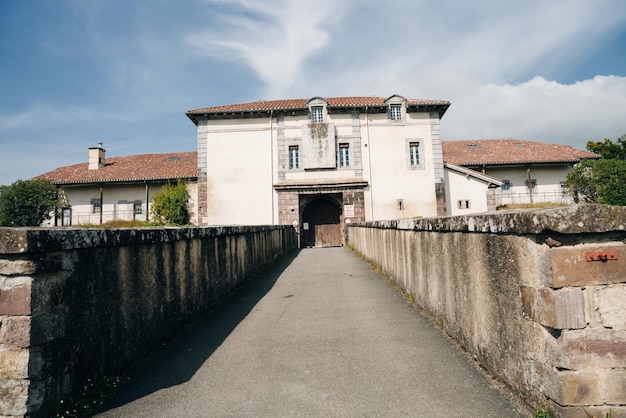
[{"x": 321, "y": 335}]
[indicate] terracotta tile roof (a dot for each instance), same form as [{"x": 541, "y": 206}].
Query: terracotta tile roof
[
  {"x": 298, "y": 104},
  {"x": 130, "y": 168},
  {"x": 510, "y": 151}
]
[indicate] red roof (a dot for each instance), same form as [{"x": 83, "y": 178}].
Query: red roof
[
  {"x": 510, "y": 151},
  {"x": 295, "y": 104},
  {"x": 130, "y": 168}
]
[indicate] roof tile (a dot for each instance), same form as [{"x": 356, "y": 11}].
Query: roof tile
[
  {"x": 142, "y": 167},
  {"x": 510, "y": 151},
  {"x": 292, "y": 104}
]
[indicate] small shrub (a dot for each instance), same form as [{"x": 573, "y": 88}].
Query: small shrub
[
  {"x": 542, "y": 414},
  {"x": 170, "y": 205}
]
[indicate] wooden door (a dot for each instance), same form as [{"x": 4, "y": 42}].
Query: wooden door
[{"x": 321, "y": 225}]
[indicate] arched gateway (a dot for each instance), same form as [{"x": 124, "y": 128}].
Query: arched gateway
[{"x": 321, "y": 223}]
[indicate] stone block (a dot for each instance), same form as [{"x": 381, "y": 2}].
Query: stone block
[
  {"x": 17, "y": 267},
  {"x": 15, "y": 331},
  {"x": 579, "y": 388},
  {"x": 13, "y": 397},
  {"x": 16, "y": 300},
  {"x": 603, "y": 348},
  {"x": 570, "y": 267},
  {"x": 558, "y": 309},
  {"x": 609, "y": 304},
  {"x": 615, "y": 384},
  {"x": 14, "y": 364}
]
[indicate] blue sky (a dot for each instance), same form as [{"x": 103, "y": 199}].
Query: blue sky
[{"x": 77, "y": 72}]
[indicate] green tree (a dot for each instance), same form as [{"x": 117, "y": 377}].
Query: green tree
[
  {"x": 609, "y": 149},
  {"x": 170, "y": 204},
  {"x": 27, "y": 203},
  {"x": 599, "y": 181}
]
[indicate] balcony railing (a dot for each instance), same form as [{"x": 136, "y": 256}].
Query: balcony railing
[
  {"x": 88, "y": 218},
  {"x": 525, "y": 198}
]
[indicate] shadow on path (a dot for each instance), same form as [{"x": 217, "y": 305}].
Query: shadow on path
[{"x": 179, "y": 360}]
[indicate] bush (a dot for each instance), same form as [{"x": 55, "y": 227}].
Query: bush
[
  {"x": 599, "y": 181},
  {"x": 27, "y": 203},
  {"x": 169, "y": 206}
]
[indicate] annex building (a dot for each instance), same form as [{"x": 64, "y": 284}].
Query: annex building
[{"x": 320, "y": 163}]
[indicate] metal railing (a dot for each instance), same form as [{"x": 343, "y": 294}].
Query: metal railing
[
  {"x": 88, "y": 218},
  {"x": 525, "y": 198}
]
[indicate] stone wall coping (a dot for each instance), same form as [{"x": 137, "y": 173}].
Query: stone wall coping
[
  {"x": 572, "y": 219},
  {"x": 36, "y": 240}
]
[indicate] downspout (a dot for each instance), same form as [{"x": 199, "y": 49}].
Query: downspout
[
  {"x": 147, "y": 201},
  {"x": 369, "y": 162},
  {"x": 272, "y": 165},
  {"x": 530, "y": 184},
  {"x": 101, "y": 203}
]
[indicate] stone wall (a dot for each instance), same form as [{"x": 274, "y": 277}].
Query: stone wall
[
  {"x": 78, "y": 305},
  {"x": 538, "y": 297}
]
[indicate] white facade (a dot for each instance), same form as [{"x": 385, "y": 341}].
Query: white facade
[
  {"x": 546, "y": 183},
  {"x": 351, "y": 162},
  {"x": 239, "y": 181},
  {"x": 120, "y": 188},
  {"x": 468, "y": 191}
]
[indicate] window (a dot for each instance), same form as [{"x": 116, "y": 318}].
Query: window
[
  {"x": 96, "y": 206},
  {"x": 463, "y": 204},
  {"x": 137, "y": 209},
  {"x": 506, "y": 186},
  {"x": 294, "y": 157},
  {"x": 533, "y": 185},
  {"x": 414, "y": 154},
  {"x": 395, "y": 112},
  {"x": 317, "y": 114},
  {"x": 344, "y": 155}
]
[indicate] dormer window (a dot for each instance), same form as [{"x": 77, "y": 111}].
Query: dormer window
[
  {"x": 317, "y": 114},
  {"x": 395, "y": 111}
]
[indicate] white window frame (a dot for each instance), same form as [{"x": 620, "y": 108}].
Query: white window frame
[
  {"x": 317, "y": 114},
  {"x": 395, "y": 111},
  {"x": 294, "y": 157},
  {"x": 414, "y": 154},
  {"x": 344, "y": 155}
]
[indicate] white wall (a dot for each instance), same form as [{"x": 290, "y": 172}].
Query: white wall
[
  {"x": 80, "y": 199},
  {"x": 548, "y": 188},
  {"x": 243, "y": 164},
  {"x": 391, "y": 179},
  {"x": 460, "y": 187},
  {"x": 239, "y": 172}
]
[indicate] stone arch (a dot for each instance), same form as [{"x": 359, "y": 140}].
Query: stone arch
[{"x": 321, "y": 222}]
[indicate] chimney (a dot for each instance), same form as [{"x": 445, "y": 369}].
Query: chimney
[{"x": 96, "y": 157}]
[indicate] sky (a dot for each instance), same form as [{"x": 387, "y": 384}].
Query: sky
[{"x": 74, "y": 73}]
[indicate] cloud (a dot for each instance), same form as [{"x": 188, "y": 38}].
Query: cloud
[
  {"x": 293, "y": 45},
  {"x": 541, "y": 110},
  {"x": 275, "y": 40},
  {"x": 498, "y": 63}
]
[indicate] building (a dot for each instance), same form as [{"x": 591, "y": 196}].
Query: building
[
  {"x": 104, "y": 189},
  {"x": 531, "y": 172},
  {"x": 320, "y": 163},
  {"x": 469, "y": 191}
]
